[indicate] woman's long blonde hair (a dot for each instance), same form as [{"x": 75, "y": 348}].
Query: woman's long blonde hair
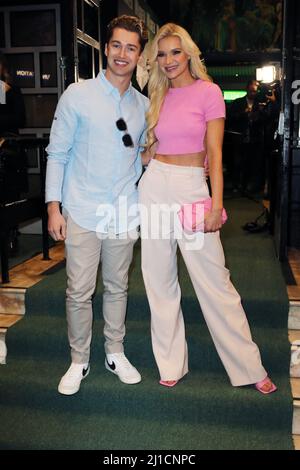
[{"x": 158, "y": 83}]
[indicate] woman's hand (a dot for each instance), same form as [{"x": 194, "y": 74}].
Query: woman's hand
[{"x": 213, "y": 221}]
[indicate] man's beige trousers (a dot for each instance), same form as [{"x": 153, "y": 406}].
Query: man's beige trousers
[{"x": 83, "y": 252}]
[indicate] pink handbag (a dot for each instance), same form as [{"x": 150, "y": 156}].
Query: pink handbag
[{"x": 194, "y": 213}]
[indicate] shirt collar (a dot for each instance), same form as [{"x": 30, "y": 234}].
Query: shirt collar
[{"x": 108, "y": 86}]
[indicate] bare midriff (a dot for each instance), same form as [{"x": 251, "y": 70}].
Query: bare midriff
[{"x": 189, "y": 159}]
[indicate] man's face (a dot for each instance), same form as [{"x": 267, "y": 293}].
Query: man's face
[
  {"x": 123, "y": 52},
  {"x": 252, "y": 90}
]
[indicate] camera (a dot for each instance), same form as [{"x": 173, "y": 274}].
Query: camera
[{"x": 265, "y": 89}]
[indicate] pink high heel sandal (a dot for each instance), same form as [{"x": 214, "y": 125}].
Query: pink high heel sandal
[
  {"x": 259, "y": 386},
  {"x": 168, "y": 383}
]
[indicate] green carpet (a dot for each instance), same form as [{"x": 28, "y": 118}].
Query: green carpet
[{"x": 203, "y": 412}]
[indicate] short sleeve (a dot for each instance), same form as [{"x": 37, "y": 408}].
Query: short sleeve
[{"x": 214, "y": 103}]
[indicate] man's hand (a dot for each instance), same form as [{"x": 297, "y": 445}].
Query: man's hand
[
  {"x": 206, "y": 167},
  {"x": 57, "y": 226},
  {"x": 146, "y": 157},
  {"x": 271, "y": 98}
]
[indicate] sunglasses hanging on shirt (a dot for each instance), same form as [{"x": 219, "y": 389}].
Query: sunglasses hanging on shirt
[{"x": 122, "y": 126}]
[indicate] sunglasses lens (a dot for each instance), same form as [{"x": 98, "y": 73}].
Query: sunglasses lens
[
  {"x": 121, "y": 125},
  {"x": 127, "y": 140}
]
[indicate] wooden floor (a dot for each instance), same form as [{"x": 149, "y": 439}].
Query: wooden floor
[
  {"x": 7, "y": 320},
  {"x": 31, "y": 272}
]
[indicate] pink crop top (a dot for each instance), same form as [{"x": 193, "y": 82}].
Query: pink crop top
[{"x": 181, "y": 127}]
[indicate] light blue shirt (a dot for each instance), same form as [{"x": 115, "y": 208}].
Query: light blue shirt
[{"x": 89, "y": 169}]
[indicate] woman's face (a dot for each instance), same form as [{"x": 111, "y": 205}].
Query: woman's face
[{"x": 171, "y": 58}]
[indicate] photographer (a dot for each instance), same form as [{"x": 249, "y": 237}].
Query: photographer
[{"x": 246, "y": 117}]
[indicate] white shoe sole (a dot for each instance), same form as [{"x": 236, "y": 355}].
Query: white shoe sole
[
  {"x": 125, "y": 381},
  {"x": 74, "y": 390}
]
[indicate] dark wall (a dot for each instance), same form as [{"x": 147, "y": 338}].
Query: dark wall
[
  {"x": 108, "y": 11},
  {"x": 294, "y": 203},
  {"x": 287, "y": 209}
]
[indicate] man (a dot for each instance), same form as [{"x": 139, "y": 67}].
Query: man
[
  {"x": 246, "y": 117},
  {"x": 94, "y": 164}
]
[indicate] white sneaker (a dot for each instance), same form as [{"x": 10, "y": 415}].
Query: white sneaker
[
  {"x": 119, "y": 365},
  {"x": 70, "y": 382}
]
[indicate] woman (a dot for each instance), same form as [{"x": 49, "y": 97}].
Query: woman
[{"x": 187, "y": 112}]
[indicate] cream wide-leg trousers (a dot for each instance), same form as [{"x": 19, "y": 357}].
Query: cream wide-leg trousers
[{"x": 162, "y": 189}]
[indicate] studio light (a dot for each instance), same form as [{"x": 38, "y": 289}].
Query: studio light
[{"x": 266, "y": 74}]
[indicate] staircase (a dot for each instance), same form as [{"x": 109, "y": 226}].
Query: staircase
[
  {"x": 12, "y": 310},
  {"x": 294, "y": 337},
  {"x": 12, "y": 294}
]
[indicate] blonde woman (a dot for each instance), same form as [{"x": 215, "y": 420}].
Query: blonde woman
[{"x": 187, "y": 113}]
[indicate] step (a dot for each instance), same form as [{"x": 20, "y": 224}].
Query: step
[
  {"x": 295, "y": 362},
  {"x": 294, "y": 315},
  {"x": 12, "y": 294},
  {"x": 294, "y": 338},
  {"x": 9, "y": 320},
  {"x": 3, "y": 349},
  {"x": 12, "y": 300},
  {"x": 293, "y": 292},
  {"x": 25, "y": 275},
  {"x": 296, "y": 440},
  {"x": 296, "y": 417},
  {"x": 295, "y": 385},
  {"x": 6, "y": 321}
]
